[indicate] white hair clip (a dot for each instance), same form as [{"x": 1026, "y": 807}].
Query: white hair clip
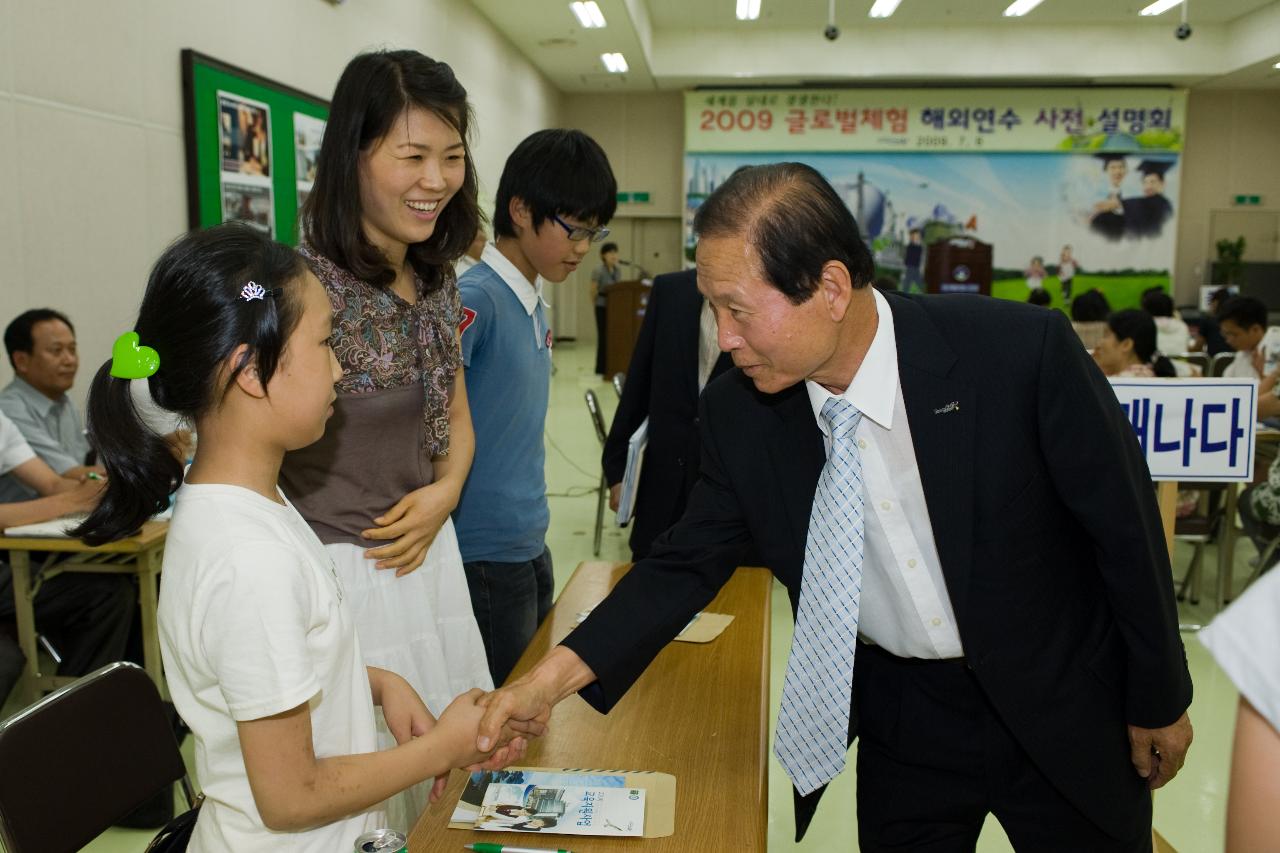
[{"x": 252, "y": 291}]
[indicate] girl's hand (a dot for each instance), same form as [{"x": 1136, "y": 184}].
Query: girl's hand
[
  {"x": 458, "y": 728},
  {"x": 413, "y": 523},
  {"x": 406, "y": 714}
]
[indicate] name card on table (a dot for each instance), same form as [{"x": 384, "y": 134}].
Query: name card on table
[{"x": 1194, "y": 430}]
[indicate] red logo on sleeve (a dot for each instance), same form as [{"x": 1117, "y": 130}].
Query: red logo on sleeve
[
  {"x": 468, "y": 317},
  {"x": 548, "y": 339}
]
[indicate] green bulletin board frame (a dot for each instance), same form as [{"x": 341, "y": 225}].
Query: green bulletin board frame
[{"x": 203, "y": 77}]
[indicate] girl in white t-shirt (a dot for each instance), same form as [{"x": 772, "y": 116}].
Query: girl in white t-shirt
[{"x": 259, "y": 648}]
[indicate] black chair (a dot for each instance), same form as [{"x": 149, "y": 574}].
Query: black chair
[
  {"x": 1221, "y": 362},
  {"x": 602, "y": 492},
  {"x": 82, "y": 758}
]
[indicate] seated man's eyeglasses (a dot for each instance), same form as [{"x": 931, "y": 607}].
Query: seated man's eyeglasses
[{"x": 578, "y": 233}]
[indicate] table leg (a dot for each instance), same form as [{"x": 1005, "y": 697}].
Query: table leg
[
  {"x": 1227, "y": 547},
  {"x": 24, "y": 616},
  {"x": 148, "y": 596}
]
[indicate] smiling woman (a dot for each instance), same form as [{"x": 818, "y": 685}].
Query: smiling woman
[{"x": 394, "y": 205}]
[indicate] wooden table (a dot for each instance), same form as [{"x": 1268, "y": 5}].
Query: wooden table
[
  {"x": 139, "y": 555},
  {"x": 700, "y": 712}
]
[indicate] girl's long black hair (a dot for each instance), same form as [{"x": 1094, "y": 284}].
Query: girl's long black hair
[
  {"x": 1136, "y": 325},
  {"x": 194, "y": 317}
]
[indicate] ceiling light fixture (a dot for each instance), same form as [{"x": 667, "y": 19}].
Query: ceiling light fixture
[
  {"x": 748, "y": 10},
  {"x": 588, "y": 14},
  {"x": 1018, "y": 8},
  {"x": 1160, "y": 7},
  {"x": 883, "y": 8},
  {"x": 614, "y": 63}
]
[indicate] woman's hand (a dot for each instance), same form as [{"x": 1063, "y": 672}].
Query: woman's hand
[{"x": 413, "y": 524}]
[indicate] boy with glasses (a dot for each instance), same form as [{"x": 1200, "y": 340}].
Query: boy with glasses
[{"x": 556, "y": 194}]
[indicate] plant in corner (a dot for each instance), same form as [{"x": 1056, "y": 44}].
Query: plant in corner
[{"x": 1230, "y": 259}]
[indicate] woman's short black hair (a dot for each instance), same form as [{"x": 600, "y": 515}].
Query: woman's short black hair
[
  {"x": 556, "y": 172},
  {"x": 375, "y": 90},
  {"x": 1157, "y": 303},
  {"x": 1090, "y": 307},
  {"x": 194, "y": 317},
  {"x": 1140, "y": 327},
  {"x": 1039, "y": 296},
  {"x": 794, "y": 220},
  {"x": 607, "y": 248}
]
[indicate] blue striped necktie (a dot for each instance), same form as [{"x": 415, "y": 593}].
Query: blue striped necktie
[{"x": 813, "y": 723}]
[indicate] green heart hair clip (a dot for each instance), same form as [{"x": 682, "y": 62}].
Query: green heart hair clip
[{"x": 131, "y": 361}]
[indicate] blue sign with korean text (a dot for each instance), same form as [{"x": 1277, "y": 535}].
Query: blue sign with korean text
[{"x": 1194, "y": 430}]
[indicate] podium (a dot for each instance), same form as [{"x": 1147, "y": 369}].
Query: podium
[
  {"x": 958, "y": 265},
  {"x": 625, "y": 303}
]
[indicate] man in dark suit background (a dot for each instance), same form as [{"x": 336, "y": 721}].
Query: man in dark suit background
[
  {"x": 674, "y": 358},
  {"x": 986, "y": 527}
]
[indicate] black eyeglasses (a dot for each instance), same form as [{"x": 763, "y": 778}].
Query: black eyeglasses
[{"x": 578, "y": 233}]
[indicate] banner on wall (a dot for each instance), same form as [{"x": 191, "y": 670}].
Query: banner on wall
[
  {"x": 1077, "y": 193},
  {"x": 935, "y": 120}
]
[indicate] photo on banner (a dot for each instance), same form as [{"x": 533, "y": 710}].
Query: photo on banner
[
  {"x": 244, "y": 136},
  {"x": 1074, "y": 181},
  {"x": 308, "y": 132}
]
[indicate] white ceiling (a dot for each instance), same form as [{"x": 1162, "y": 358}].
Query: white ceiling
[{"x": 676, "y": 44}]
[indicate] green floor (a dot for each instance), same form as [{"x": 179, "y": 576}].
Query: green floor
[{"x": 1189, "y": 813}]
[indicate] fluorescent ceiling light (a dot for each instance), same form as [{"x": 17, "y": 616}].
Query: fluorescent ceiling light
[
  {"x": 1018, "y": 8},
  {"x": 616, "y": 63},
  {"x": 748, "y": 10},
  {"x": 1277, "y": 65},
  {"x": 588, "y": 14},
  {"x": 883, "y": 8},
  {"x": 1160, "y": 7}
]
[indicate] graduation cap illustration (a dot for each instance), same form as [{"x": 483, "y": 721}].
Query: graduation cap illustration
[
  {"x": 1155, "y": 167},
  {"x": 1108, "y": 157}
]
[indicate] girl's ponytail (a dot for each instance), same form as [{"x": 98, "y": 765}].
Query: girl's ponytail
[{"x": 142, "y": 471}]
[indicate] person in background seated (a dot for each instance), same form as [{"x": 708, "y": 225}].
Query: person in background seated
[
  {"x": 41, "y": 344},
  {"x": 1089, "y": 313},
  {"x": 1245, "y": 641},
  {"x": 1172, "y": 335},
  {"x": 86, "y": 617},
  {"x": 603, "y": 277},
  {"x": 1040, "y": 297},
  {"x": 1128, "y": 347},
  {"x": 1243, "y": 322}
]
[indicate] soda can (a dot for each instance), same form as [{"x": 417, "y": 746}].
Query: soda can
[{"x": 382, "y": 841}]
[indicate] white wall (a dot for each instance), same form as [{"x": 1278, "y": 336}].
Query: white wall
[{"x": 92, "y": 171}]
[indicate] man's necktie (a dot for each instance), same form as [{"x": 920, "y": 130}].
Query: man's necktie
[{"x": 813, "y": 723}]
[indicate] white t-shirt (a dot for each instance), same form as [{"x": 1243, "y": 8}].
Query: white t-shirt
[
  {"x": 253, "y": 623},
  {"x": 1245, "y": 641},
  {"x": 14, "y": 449},
  {"x": 1241, "y": 367}
]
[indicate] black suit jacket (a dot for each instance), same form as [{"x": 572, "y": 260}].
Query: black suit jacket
[
  {"x": 662, "y": 385},
  {"x": 1044, "y": 516}
]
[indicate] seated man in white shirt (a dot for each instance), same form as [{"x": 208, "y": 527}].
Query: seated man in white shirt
[
  {"x": 41, "y": 345},
  {"x": 1243, "y": 322},
  {"x": 87, "y": 617}
]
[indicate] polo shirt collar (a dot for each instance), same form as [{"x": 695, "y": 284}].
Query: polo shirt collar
[
  {"x": 34, "y": 400},
  {"x": 528, "y": 294},
  {"x": 874, "y": 389}
]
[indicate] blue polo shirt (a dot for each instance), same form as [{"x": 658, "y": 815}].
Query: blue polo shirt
[{"x": 506, "y": 350}]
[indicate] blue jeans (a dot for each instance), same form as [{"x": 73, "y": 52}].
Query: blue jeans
[{"x": 510, "y": 600}]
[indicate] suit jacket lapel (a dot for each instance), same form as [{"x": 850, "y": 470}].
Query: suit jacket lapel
[
  {"x": 797, "y": 454},
  {"x": 941, "y": 411}
]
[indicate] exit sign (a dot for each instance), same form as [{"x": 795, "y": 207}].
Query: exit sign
[
  {"x": 633, "y": 198},
  {"x": 1251, "y": 200}
]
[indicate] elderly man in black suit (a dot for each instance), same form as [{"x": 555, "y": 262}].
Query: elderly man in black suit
[
  {"x": 964, "y": 521},
  {"x": 674, "y": 358}
]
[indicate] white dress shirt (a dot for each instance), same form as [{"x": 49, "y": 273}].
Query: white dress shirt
[
  {"x": 904, "y": 605},
  {"x": 708, "y": 344}
]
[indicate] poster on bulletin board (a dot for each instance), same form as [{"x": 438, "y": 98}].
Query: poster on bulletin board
[
  {"x": 251, "y": 146},
  {"x": 1074, "y": 189}
]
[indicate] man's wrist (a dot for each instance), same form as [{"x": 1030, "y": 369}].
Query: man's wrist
[{"x": 561, "y": 674}]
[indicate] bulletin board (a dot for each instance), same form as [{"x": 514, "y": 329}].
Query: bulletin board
[{"x": 251, "y": 146}]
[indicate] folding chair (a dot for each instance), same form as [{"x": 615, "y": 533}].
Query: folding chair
[
  {"x": 84, "y": 757},
  {"x": 618, "y": 379},
  {"x": 1198, "y": 361},
  {"x": 1221, "y": 362},
  {"x": 597, "y": 420}
]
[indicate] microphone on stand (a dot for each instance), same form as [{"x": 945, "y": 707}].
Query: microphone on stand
[{"x": 643, "y": 272}]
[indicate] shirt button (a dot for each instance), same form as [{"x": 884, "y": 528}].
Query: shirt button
[
  {"x": 911, "y": 564},
  {"x": 936, "y": 622},
  {"x": 885, "y": 505},
  {"x": 862, "y": 443}
]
